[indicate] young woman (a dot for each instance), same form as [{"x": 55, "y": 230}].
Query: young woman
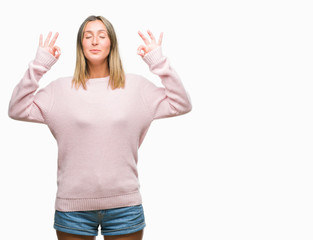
[{"x": 99, "y": 118}]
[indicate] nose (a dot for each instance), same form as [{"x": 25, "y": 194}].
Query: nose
[{"x": 95, "y": 41}]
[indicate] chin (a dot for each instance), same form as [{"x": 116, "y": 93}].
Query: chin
[{"x": 96, "y": 60}]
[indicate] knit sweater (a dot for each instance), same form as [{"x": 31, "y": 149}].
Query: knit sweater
[{"x": 98, "y": 130}]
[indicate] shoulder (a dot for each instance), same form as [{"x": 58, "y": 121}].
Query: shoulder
[
  {"x": 62, "y": 81},
  {"x": 141, "y": 82},
  {"x": 136, "y": 78},
  {"x": 59, "y": 83}
]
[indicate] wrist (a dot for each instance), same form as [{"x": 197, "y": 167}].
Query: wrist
[
  {"x": 44, "y": 58},
  {"x": 154, "y": 56}
]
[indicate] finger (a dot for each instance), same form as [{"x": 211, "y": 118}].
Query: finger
[
  {"x": 151, "y": 36},
  {"x": 141, "y": 50},
  {"x": 40, "y": 40},
  {"x": 144, "y": 38},
  {"x": 54, "y": 39},
  {"x": 57, "y": 51},
  {"x": 160, "y": 39},
  {"x": 47, "y": 39}
]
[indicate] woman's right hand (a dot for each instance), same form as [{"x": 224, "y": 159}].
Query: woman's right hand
[{"x": 50, "y": 47}]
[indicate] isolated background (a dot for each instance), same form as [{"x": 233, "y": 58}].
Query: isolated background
[{"x": 239, "y": 166}]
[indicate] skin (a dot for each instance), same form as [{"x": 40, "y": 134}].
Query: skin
[
  {"x": 95, "y": 37},
  {"x": 132, "y": 236}
]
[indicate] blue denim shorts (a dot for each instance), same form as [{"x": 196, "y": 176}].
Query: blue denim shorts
[{"x": 115, "y": 221}]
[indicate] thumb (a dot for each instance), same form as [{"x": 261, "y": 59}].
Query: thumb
[
  {"x": 56, "y": 51},
  {"x": 141, "y": 50}
]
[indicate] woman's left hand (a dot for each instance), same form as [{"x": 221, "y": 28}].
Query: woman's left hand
[{"x": 143, "y": 50}]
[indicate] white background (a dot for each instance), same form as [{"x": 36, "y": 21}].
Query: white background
[{"x": 238, "y": 166}]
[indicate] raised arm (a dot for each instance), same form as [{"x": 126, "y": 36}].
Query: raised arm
[
  {"x": 170, "y": 100},
  {"x": 25, "y": 105}
]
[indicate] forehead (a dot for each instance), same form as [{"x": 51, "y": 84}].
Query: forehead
[{"x": 95, "y": 26}]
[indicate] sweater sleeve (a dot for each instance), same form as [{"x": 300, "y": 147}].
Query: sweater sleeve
[
  {"x": 170, "y": 100},
  {"x": 25, "y": 105}
]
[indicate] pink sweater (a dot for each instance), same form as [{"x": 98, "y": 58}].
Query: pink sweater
[{"x": 98, "y": 131}]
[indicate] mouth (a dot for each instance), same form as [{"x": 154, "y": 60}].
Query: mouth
[{"x": 95, "y": 50}]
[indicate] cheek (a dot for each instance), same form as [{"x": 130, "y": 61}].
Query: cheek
[
  {"x": 106, "y": 45},
  {"x": 85, "y": 45},
  {"x": 84, "y": 42}
]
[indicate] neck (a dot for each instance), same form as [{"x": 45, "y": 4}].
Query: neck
[{"x": 98, "y": 70}]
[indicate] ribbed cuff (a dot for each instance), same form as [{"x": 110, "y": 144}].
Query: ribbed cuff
[
  {"x": 44, "y": 58},
  {"x": 154, "y": 57}
]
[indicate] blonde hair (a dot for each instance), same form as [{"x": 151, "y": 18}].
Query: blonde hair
[{"x": 81, "y": 74}]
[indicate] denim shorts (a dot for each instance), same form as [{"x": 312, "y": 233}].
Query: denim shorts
[{"x": 115, "y": 221}]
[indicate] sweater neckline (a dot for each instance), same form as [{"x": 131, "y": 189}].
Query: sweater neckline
[{"x": 102, "y": 79}]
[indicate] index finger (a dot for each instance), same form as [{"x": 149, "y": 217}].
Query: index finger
[
  {"x": 143, "y": 38},
  {"x": 47, "y": 39},
  {"x": 160, "y": 39},
  {"x": 54, "y": 39},
  {"x": 151, "y": 36},
  {"x": 40, "y": 40}
]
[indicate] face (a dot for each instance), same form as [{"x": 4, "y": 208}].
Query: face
[{"x": 96, "y": 42}]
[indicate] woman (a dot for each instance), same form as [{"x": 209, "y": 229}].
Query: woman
[{"x": 99, "y": 118}]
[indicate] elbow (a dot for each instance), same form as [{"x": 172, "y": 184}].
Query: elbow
[
  {"x": 183, "y": 109},
  {"x": 187, "y": 105},
  {"x": 12, "y": 114},
  {"x": 187, "y": 108},
  {"x": 12, "y": 111},
  {"x": 16, "y": 116}
]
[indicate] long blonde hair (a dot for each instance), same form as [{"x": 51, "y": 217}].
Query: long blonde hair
[{"x": 81, "y": 74}]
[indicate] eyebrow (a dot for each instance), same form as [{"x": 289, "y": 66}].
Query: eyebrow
[{"x": 102, "y": 30}]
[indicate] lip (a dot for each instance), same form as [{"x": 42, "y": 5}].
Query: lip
[{"x": 95, "y": 50}]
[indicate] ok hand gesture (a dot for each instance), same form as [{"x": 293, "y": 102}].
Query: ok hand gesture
[
  {"x": 53, "y": 50},
  {"x": 143, "y": 50}
]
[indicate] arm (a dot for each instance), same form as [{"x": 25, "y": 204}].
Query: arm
[
  {"x": 24, "y": 104},
  {"x": 170, "y": 100}
]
